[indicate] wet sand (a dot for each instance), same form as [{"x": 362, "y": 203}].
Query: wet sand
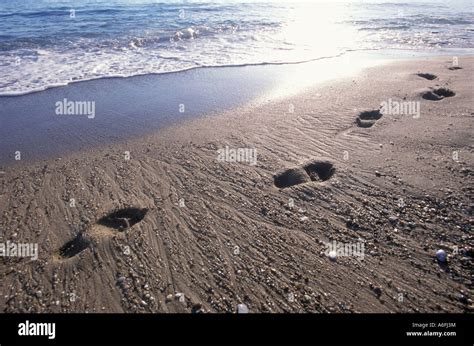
[
  {"x": 101, "y": 112},
  {"x": 159, "y": 224}
]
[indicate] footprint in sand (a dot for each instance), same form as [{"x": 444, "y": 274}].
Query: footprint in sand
[
  {"x": 75, "y": 246},
  {"x": 453, "y": 68},
  {"x": 123, "y": 218},
  {"x": 436, "y": 94},
  {"x": 118, "y": 220},
  {"x": 368, "y": 118},
  {"x": 428, "y": 76},
  {"x": 318, "y": 170}
]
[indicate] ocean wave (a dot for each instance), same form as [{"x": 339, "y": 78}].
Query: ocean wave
[
  {"x": 41, "y": 46},
  {"x": 176, "y": 69},
  {"x": 172, "y": 68}
]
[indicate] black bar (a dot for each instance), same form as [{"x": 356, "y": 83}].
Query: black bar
[{"x": 219, "y": 329}]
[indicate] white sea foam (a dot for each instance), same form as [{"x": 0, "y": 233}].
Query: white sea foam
[{"x": 42, "y": 47}]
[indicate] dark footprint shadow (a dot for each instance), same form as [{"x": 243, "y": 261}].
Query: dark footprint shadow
[
  {"x": 319, "y": 170},
  {"x": 454, "y": 68},
  {"x": 437, "y": 94},
  {"x": 123, "y": 218},
  {"x": 290, "y": 177},
  {"x": 368, "y": 118},
  {"x": 428, "y": 76},
  {"x": 315, "y": 170},
  {"x": 74, "y": 247}
]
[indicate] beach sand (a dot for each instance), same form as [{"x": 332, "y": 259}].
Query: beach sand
[{"x": 207, "y": 235}]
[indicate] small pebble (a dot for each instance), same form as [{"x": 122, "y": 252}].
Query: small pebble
[
  {"x": 393, "y": 219},
  {"x": 441, "y": 255},
  {"x": 197, "y": 309},
  {"x": 377, "y": 291},
  {"x": 242, "y": 309}
]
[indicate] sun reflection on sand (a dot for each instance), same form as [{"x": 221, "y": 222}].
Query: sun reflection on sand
[{"x": 292, "y": 79}]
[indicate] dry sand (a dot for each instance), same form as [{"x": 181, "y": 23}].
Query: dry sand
[{"x": 403, "y": 186}]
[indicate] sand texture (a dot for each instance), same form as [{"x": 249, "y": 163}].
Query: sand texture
[{"x": 174, "y": 229}]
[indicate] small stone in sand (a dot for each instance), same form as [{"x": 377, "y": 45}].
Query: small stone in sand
[
  {"x": 377, "y": 291},
  {"x": 441, "y": 255},
  {"x": 393, "y": 219},
  {"x": 242, "y": 309},
  {"x": 197, "y": 309}
]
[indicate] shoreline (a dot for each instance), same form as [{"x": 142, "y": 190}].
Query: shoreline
[
  {"x": 222, "y": 234},
  {"x": 415, "y": 53},
  {"x": 132, "y": 107}
]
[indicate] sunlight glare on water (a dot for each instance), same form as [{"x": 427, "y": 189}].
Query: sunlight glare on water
[
  {"x": 317, "y": 29},
  {"x": 41, "y": 45}
]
